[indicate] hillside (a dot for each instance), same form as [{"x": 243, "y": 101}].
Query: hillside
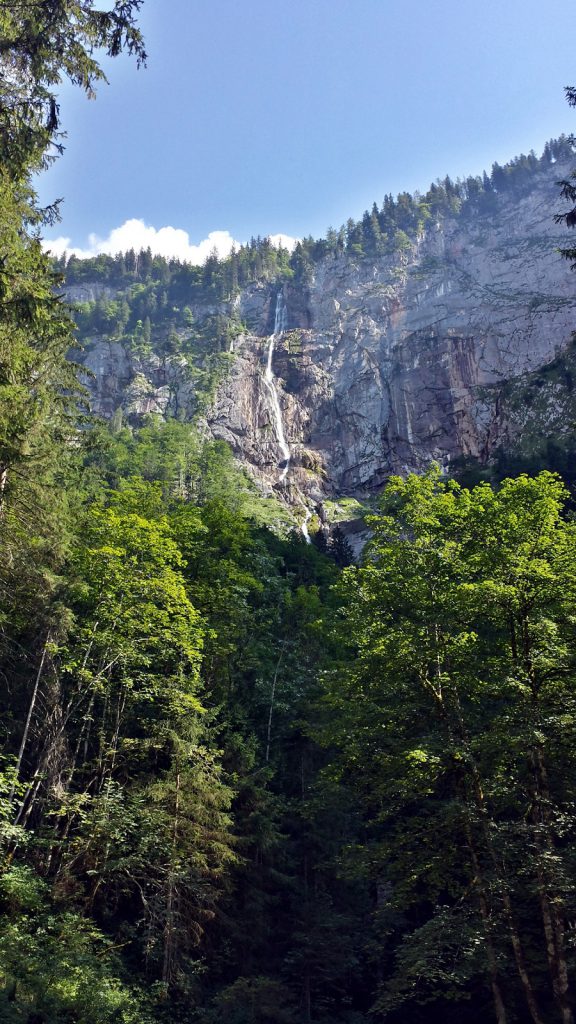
[{"x": 445, "y": 337}]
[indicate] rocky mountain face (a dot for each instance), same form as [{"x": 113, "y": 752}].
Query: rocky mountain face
[{"x": 385, "y": 363}]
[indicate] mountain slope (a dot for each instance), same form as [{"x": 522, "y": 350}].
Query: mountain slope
[{"x": 423, "y": 350}]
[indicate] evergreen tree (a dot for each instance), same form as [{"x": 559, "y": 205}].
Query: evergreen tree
[
  {"x": 42, "y": 44},
  {"x": 568, "y": 192}
]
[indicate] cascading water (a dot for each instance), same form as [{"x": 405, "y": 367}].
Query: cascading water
[
  {"x": 304, "y": 527},
  {"x": 280, "y": 320},
  {"x": 279, "y": 328}
]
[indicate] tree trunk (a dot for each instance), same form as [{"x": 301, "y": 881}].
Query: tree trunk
[
  {"x": 493, "y": 972},
  {"x": 509, "y": 916},
  {"x": 271, "y": 711},
  {"x": 3, "y": 481},
  {"x": 548, "y": 889},
  {"x": 552, "y": 913},
  {"x": 31, "y": 707}
]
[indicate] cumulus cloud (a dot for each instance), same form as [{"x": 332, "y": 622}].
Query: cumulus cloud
[
  {"x": 172, "y": 243},
  {"x": 286, "y": 241}
]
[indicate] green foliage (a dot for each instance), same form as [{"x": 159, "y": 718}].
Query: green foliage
[
  {"x": 42, "y": 44},
  {"x": 57, "y": 966},
  {"x": 184, "y": 810},
  {"x": 254, "y": 1001},
  {"x": 38, "y": 384},
  {"x": 453, "y": 719},
  {"x": 137, "y": 622}
]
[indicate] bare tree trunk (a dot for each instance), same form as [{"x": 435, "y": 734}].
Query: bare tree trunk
[
  {"x": 3, "y": 481},
  {"x": 120, "y": 705},
  {"x": 31, "y": 707},
  {"x": 455, "y": 723},
  {"x": 556, "y": 962},
  {"x": 551, "y": 910},
  {"x": 509, "y": 916},
  {"x": 25, "y": 809},
  {"x": 306, "y": 885},
  {"x": 272, "y": 700},
  {"x": 307, "y": 996},
  {"x": 520, "y": 961}
]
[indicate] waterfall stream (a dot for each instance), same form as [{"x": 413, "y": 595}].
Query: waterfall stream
[
  {"x": 279, "y": 328},
  {"x": 304, "y": 527},
  {"x": 280, "y": 320}
]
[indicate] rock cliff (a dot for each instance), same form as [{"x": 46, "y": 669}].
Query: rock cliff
[
  {"x": 388, "y": 364},
  {"x": 385, "y": 363}
]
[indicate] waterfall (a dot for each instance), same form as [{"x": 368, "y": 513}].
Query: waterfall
[
  {"x": 279, "y": 328},
  {"x": 304, "y": 527},
  {"x": 280, "y": 320}
]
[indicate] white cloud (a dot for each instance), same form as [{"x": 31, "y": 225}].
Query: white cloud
[
  {"x": 286, "y": 241},
  {"x": 57, "y": 246},
  {"x": 173, "y": 243}
]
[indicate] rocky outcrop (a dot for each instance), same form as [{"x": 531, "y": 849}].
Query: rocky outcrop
[{"x": 139, "y": 384}]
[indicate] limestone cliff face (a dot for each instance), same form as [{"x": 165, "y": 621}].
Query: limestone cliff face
[
  {"x": 118, "y": 377},
  {"x": 391, "y": 363},
  {"x": 386, "y": 363}
]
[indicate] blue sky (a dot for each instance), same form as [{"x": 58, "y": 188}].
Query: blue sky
[{"x": 270, "y": 116}]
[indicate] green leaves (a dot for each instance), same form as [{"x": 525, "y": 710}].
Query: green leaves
[
  {"x": 138, "y": 629},
  {"x": 460, "y": 627},
  {"x": 41, "y": 44},
  {"x": 61, "y": 967}
]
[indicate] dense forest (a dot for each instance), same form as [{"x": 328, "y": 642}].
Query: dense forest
[{"x": 242, "y": 779}]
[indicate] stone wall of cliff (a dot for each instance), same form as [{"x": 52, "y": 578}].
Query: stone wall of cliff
[{"x": 386, "y": 363}]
